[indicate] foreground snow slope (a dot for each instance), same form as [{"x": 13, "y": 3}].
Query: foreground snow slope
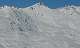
[{"x": 40, "y": 27}]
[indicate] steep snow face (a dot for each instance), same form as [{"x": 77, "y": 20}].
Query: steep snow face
[{"x": 40, "y": 27}]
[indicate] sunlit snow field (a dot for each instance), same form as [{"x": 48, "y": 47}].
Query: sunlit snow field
[{"x": 38, "y": 26}]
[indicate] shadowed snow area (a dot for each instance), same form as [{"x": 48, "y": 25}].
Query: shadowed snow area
[{"x": 38, "y": 26}]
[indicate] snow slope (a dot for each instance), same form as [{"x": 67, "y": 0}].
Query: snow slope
[{"x": 38, "y": 26}]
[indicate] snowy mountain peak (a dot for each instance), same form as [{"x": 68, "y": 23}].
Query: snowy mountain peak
[
  {"x": 38, "y": 26},
  {"x": 41, "y": 10}
]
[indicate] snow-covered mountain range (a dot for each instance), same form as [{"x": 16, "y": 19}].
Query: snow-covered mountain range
[{"x": 38, "y": 26}]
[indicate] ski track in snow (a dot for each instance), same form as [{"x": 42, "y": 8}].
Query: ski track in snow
[{"x": 40, "y": 27}]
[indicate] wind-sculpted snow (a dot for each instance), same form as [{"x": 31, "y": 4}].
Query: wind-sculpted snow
[{"x": 40, "y": 27}]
